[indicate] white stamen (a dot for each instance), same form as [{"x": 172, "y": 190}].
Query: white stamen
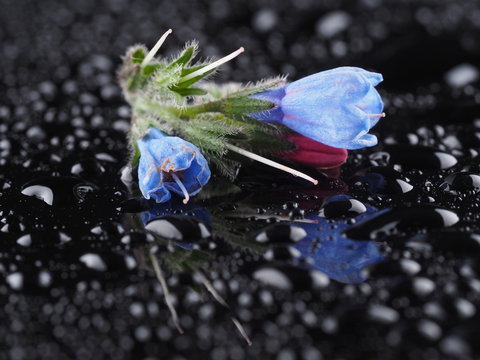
[
  {"x": 166, "y": 293},
  {"x": 155, "y": 49},
  {"x": 381, "y": 115},
  {"x": 271, "y": 163},
  {"x": 212, "y": 65},
  {"x": 182, "y": 187}
]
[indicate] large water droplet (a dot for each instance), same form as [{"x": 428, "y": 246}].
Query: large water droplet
[
  {"x": 450, "y": 241},
  {"x": 180, "y": 228},
  {"x": 391, "y": 222},
  {"x": 463, "y": 181},
  {"x": 58, "y": 191},
  {"x": 382, "y": 180},
  {"x": 342, "y": 206},
  {"x": 419, "y": 157}
]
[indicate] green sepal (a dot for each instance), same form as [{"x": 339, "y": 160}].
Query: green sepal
[
  {"x": 243, "y": 105},
  {"x": 186, "y": 84},
  {"x": 143, "y": 75},
  {"x": 188, "y": 91},
  {"x": 188, "y": 70},
  {"x": 166, "y": 77},
  {"x": 184, "y": 57},
  {"x": 138, "y": 55},
  {"x": 136, "y": 154},
  {"x": 151, "y": 68},
  {"x": 259, "y": 87}
]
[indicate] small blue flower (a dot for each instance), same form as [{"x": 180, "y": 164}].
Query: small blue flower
[
  {"x": 170, "y": 164},
  {"x": 335, "y": 107}
]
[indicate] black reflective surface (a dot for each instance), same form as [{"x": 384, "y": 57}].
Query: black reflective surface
[{"x": 379, "y": 261}]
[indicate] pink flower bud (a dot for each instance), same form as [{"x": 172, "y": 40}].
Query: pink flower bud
[{"x": 313, "y": 153}]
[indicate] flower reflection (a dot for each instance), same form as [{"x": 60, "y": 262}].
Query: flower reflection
[{"x": 329, "y": 251}]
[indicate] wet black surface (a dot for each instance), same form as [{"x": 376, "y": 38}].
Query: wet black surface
[{"x": 380, "y": 262}]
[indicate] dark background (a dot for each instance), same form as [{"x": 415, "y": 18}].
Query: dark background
[{"x": 61, "y": 112}]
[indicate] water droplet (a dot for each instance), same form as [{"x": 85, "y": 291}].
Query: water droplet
[
  {"x": 58, "y": 191},
  {"x": 281, "y": 233},
  {"x": 391, "y": 222},
  {"x": 282, "y": 253},
  {"x": 40, "y": 192},
  {"x": 383, "y": 314},
  {"x": 382, "y": 180},
  {"x": 286, "y": 277},
  {"x": 451, "y": 241},
  {"x": 340, "y": 206},
  {"x": 15, "y": 280},
  {"x": 419, "y": 157},
  {"x": 25, "y": 240},
  {"x": 463, "y": 181},
  {"x": 423, "y": 286},
  {"x": 429, "y": 330},
  {"x": 93, "y": 261},
  {"x": 181, "y": 228}
]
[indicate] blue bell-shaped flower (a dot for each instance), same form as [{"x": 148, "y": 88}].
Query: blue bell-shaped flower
[
  {"x": 335, "y": 107},
  {"x": 170, "y": 164}
]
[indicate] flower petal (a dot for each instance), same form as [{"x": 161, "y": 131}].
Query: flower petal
[
  {"x": 324, "y": 111},
  {"x": 371, "y": 104}
]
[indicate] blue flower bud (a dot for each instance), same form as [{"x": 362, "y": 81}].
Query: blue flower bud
[
  {"x": 335, "y": 107},
  {"x": 170, "y": 164}
]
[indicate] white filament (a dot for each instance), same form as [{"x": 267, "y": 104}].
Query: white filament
[
  {"x": 182, "y": 187},
  {"x": 271, "y": 163},
  {"x": 212, "y": 65},
  {"x": 155, "y": 49},
  {"x": 381, "y": 115}
]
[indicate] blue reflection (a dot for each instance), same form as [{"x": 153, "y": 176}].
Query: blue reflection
[{"x": 332, "y": 253}]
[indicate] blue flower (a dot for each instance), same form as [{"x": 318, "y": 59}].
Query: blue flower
[
  {"x": 335, "y": 107},
  {"x": 170, "y": 164},
  {"x": 339, "y": 257}
]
